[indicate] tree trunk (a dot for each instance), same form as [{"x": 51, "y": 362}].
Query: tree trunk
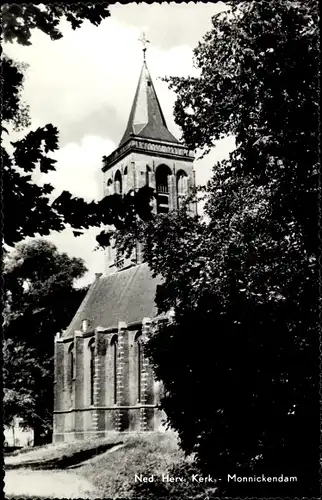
[{"x": 38, "y": 435}]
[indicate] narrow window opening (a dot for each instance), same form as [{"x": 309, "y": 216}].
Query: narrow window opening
[
  {"x": 109, "y": 187},
  {"x": 115, "y": 366},
  {"x": 147, "y": 175},
  {"x": 139, "y": 369},
  {"x": 71, "y": 362},
  {"x": 162, "y": 187},
  {"x": 182, "y": 187},
  {"x": 92, "y": 372},
  {"x": 125, "y": 189},
  {"x": 71, "y": 372},
  {"x": 118, "y": 182}
]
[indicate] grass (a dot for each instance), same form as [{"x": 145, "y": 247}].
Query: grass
[
  {"x": 58, "y": 451},
  {"x": 113, "y": 473}
]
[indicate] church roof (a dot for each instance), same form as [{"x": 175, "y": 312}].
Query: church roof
[
  {"x": 126, "y": 295},
  {"x": 146, "y": 118}
]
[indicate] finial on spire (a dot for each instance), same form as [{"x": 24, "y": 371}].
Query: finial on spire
[{"x": 144, "y": 41}]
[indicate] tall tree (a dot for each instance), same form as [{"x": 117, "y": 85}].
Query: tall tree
[
  {"x": 27, "y": 208},
  {"x": 240, "y": 362},
  {"x": 26, "y": 205},
  {"x": 18, "y": 21},
  {"x": 40, "y": 300}
]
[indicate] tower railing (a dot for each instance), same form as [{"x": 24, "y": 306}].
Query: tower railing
[
  {"x": 149, "y": 145},
  {"x": 162, "y": 189}
]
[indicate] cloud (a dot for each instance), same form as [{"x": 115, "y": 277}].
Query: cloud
[
  {"x": 73, "y": 80},
  {"x": 85, "y": 82},
  {"x": 78, "y": 168},
  {"x": 170, "y": 24},
  {"x": 82, "y": 247}
]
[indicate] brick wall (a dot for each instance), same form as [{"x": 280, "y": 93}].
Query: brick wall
[{"x": 128, "y": 412}]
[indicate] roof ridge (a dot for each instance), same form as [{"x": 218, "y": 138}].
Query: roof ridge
[
  {"x": 118, "y": 271},
  {"x": 121, "y": 296}
]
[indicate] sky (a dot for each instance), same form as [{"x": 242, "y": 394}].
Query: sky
[{"x": 84, "y": 84}]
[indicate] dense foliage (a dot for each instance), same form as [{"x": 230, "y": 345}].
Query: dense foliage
[
  {"x": 40, "y": 300},
  {"x": 27, "y": 207},
  {"x": 34, "y": 314},
  {"x": 240, "y": 362},
  {"x": 18, "y": 21},
  {"x": 27, "y": 210}
]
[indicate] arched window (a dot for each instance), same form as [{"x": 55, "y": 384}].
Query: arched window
[
  {"x": 182, "y": 186},
  {"x": 162, "y": 188},
  {"x": 114, "y": 343},
  {"x": 138, "y": 343},
  {"x": 91, "y": 347},
  {"x": 71, "y": 372},
  {"x": 118, "y": 182},
  {"x": 125, "y": 180},
  {"x": 147, "y": 176},
  {"x": 109, "y": 187},
  {"x": 71, "y": 363}
]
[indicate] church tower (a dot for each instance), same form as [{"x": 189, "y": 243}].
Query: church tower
[
  {"x": 148, "y": 154},
  {"x": 103, "y": 380}
]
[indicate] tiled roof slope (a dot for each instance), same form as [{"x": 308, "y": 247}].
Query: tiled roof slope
[
  {"x": 146, "y": 118},
  {"x": 126, "y": 295}
]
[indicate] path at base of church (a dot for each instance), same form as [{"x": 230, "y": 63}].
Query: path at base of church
[
  {"x": 49, "y": 483},
  {"x": 46, "y": 484}
]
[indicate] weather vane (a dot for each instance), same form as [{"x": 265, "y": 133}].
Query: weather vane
[{"x": 144, "y": 42}]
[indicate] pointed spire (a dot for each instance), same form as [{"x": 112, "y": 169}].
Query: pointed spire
[{"x": 146, "y": 119}]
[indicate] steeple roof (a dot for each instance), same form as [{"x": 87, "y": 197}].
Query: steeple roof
[{"x": 146, "y": 118}]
